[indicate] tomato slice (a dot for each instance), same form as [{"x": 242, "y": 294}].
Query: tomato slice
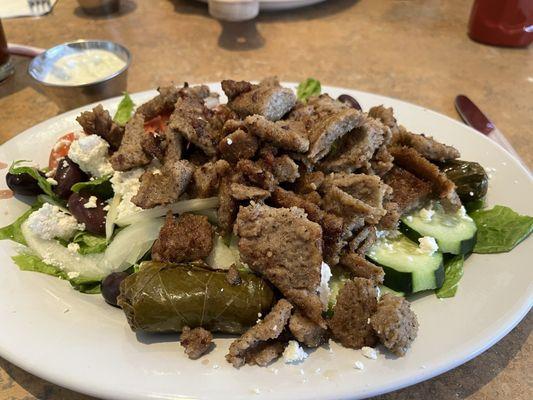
[
  {"x": 60, "y": 149},
  {"x": 156, "y": 124}
]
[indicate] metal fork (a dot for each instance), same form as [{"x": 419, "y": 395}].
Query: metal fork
[{"x": 40, "y": 7}]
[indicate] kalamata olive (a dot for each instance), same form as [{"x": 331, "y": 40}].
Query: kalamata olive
[
  {"x": 111, "y": 287},
  {"x": 67, "y": 174},
  {"x": 88, "y": 210},
  {"x": 23, "y": 184},
  {"x": 349, "y": 101}
]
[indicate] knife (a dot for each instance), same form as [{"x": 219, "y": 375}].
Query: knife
[{"x": 474, "y": 117}]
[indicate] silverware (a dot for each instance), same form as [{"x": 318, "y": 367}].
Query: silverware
[
  {"x": 99, "y": 7},
  {"x": 72, "y": 96},
  {"x": 474, "y": 117},
  {"x": 40, "y": 7}
]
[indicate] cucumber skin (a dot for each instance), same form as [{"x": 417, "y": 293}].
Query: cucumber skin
[
  {"x": 465, "y": 247},
  {"x": 403, "y": 281}
]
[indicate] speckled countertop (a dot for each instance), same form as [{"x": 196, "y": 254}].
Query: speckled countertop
[{"x": 415, "y": 50}]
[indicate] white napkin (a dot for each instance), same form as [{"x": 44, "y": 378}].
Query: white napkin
[{"x": 20, "y": 8}]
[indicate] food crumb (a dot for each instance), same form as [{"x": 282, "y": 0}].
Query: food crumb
[
  {"x": 369, "y": 352},
  {"x": 359, "y": 365},
  {"x": 275, "y": 370},
  {"x": 216, "y": 366},
  {"x": 66, "y": 310},
  {"x": 256, "y": 391},
  {"x": 302, "y": 372}
]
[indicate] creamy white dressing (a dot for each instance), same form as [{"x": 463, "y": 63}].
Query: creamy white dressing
[{"x": 83, "y": 67}]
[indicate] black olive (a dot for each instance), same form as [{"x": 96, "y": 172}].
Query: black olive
[
  {"x": 349, "y": 101},
  {"x": 92, "y": 217},
  {"x": 67, "y": 174},
  {"x": 23, "y": 184},
  {"x": 111, "y": 287}
]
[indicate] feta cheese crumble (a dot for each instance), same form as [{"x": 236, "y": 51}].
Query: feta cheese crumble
[
  {"x": 91, "y": 203},
  {"x": 426, "y": 214},
  {"x": 427, "y": 244},
  {"x": 294, "y": 353},
  {"x": 91, "y": 154},
  {"x": 369, "y": 352},
  {"x": 126, "y": 184},
  {"x": 73, "y": 247},
  {"x": 49, "y": 222},
  {"x": 323, "y": 290},
  {"x": 359, "y": 365},
  {"x": 51, "y": 181}
]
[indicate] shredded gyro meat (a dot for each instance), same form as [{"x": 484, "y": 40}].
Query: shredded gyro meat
[
  {"x": 196, "y": 342},
  {"x": 238, "y": 145},
  {"x": 286, "y": 248},
  {"x": 425, "y": 145},
  {"x": 131, "y": 154},
  {"x": 265, "y": 352},
  {"x": 408, "y": 191},
  {"x": 356, "y": 303},
  {"x": 360, "y": 267},
  {"x": 385, "y": 115},
  {"x": 267, "y": 98},
  {"x": 206, "y": 178},
  {"x": 306, "y": 331},
  {"x": 99, "y": 122},
  {"x": 186, "y": 238},
  {"x": 164, "y": 185},
  {"x": 288, "y": 135},
  {"x": 395, "y": 323},
  {"x": 244, "y": 192},
  {"x": 267, "y": 329}
]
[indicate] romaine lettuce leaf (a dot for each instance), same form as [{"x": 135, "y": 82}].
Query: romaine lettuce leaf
[
  {"x": 30, "y": 262},
  {"x": 453, "y": 272},
  {"x": 99, "y": 187},
  {"x": 13, "y": 232},
  {"x": 124, "y": 110},
  {"x": 500, "y": 229},
  {"x": 309, "y": 87},
  {"x": 90, "y": 243}
]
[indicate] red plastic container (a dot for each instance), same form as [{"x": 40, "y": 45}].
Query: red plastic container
[{"x": 502, "y": 22}]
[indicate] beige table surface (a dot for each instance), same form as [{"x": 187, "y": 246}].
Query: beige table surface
[{"x": 415, "y": 50}]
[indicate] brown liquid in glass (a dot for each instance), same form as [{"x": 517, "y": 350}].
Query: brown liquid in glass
[{"x": 4, "y": 55}]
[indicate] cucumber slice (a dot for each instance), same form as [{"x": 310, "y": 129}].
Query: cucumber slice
[
  {"x": 454, "y": 233},
  {"x": 407, "y": 268}
]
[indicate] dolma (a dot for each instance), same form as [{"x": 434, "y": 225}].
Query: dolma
[{"x": 164, "y": 297}]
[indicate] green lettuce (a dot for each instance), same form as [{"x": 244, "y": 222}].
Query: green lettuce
[
  {"x": 308, "y": 88},
  {"x": 17, "y": 169},
  {"x": 124, "y": 110},
  {"x": 453, "y": 272},
  {"x": 90, "y": 243},
  {"x": 99, "y": 187},
  {"x": 500, "y": 229},
  {"x": 12, "y": 231},
  {"x": 30, "y": 262}
]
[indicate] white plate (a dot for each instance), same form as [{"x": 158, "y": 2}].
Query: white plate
[
  {"x": 79, "y": 342},
  {"x": 279, "y": 5}
]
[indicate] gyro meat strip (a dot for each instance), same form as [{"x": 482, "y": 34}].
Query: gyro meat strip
[
  {"x": 356, "y": 303},
  {"x": 286, "y": 248},
  {"x": 232, "y": 276},
  {"x": 154, "y": 144},
  {"x": 285, "y": 169},
  {"x": 196, "y": 342},
  {"x": 267, "y": 329},
  {"x": 206, "y": 178},
  {"x": 164, "y": 185},
  {"x": 227, "y": 206},
  {"x": 390, "y": 220},
  {"x": 186, "y": 238},
  {"x": 409, "y": 159},
  {"x": 344, "y": 205},
  {"x": 288, "y": 135},
  {"x": 425, "y": 145},
  {"x": 265, "y": 352},
  {"x": 257, "y": 174},
  {"x": 385, "y": 115},
  {"x": 408, "y": 191},
  {"x": 367, "y": 188},
  {"x": 306, "y": 331},
  {"x": 395, "y": 323},
  {"x": 245, "y": 192},
  {"x": 231, "y": 125},
  {"x": 326, "y": 120},
  {"x": 238, "y": 145},
  {"x": 194, "y": 121},
  {"x": 332, "y": 226},
  {"x": 164, "y": 102},
  {"x": 99, "y": 122},
  {"x": 360, "y": 267},
  {"x": 268, "y": 98},
  {"x": 363, "y": 239},
  {"x": 355, "y": 149},
  {"x": 130, "y": 153},
  {"x": 380, "y": 163},
  {"x": 309, "y": 182}
]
